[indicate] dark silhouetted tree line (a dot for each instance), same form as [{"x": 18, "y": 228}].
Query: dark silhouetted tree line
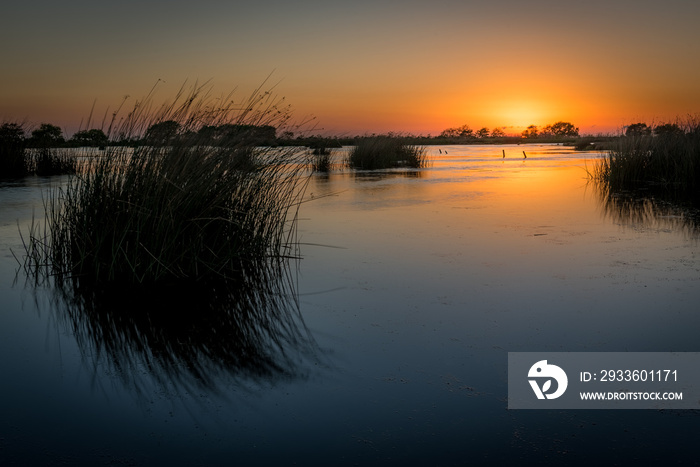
[
  {"x": 37, "y": 154},
  {"x": 226, "y": 135},
  {"x": 664, "y": 129},
  {"x": 555, "y": 130}
]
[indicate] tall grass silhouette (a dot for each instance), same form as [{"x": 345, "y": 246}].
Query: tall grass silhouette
[
  {"x": 187, "y": 210},
  {"x": 668, "y": 161}
]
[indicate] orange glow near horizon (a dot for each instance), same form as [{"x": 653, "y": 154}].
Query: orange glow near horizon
[
  {"x": 419, "y": 69},
  {"x": 381, "y": 95},
  {"x": 361, "y": 112}
]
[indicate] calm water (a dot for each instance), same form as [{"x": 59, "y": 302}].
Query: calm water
[{"x": 413, "y": 287}]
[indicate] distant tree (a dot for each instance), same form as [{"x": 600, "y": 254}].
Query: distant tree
[
  {"x": 189, "y": 136},
  {"x": 638, "y": 129},
  {"x": 208, "y": 132},
  {"x": 449, "y": 133},
  {"x": 531, "y": 132},
  {"x": 482, "y": 133},
  {"x": 266, "y": 133},
  {"x": 12, "y": 160},
  {"x": 668, "y": 129},
  {"x": 560, "y": 129},
  {"x": 234, "y": 135},
  {"x": 92, "y": 138},
  {"x": 47, "y": 136},
  {"x": 11, "y": 133},
  {"x": 460, "y": 132},
  {"x": 162, "y": 133},
  {"x": 497, "y": 133}
]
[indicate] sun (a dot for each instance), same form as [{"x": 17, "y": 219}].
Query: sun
[
  {"x": 516, "y": 114},
  {"x": 522, "y": 114}
]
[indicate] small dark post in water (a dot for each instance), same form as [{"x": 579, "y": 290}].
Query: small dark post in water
[
  {"x": 504, "y": 153},
  {"x": 524, "y": 155},
  {"x": 440, "y": 151}
]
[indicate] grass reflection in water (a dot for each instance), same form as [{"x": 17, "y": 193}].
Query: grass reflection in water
[{"x": 187, "y": 336}]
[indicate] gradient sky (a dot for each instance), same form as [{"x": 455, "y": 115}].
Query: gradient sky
[{"x": 363, "y": 66}]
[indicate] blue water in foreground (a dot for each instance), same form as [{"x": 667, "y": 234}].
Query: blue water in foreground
[{"x": 412, "y": 288}]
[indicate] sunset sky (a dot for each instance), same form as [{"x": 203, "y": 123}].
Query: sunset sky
[{"x": 363, "y": 66}]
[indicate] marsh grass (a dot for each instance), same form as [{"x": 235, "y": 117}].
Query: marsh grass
[
  {"x": 186, "y": 212},
  {"x": 383, "y": 152},
  {"x": 51, "y": 161},
  {"x": 321, "y": 151},
  {"x": 321, "y": 159},
  {"x": 584, "y": 144},
  {"x": 670, "y": 162}
]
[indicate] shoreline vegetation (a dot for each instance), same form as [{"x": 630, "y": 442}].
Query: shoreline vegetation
[
  {"x": 16, "y": 136},
  {"x": 42, "y": 151},
  {"x": 664, "y": 161}
]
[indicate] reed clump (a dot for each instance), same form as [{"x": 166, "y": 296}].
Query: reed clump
[
  {"x": 51, "y": 161},
  {"x": 185, "y": 211},
  {"x": 321, "y": 159},
  {"x": 669, "y": 161},
  {"x": 384, "y": 152}
]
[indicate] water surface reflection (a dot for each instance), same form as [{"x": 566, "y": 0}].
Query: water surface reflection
[
  {"x": 650, "y": 211},
  {"x": 187, "y": 337},
  {"x": 416, "y": 289}
]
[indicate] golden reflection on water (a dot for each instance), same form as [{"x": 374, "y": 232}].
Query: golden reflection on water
[
  {"x": 477, "y": 176},
  {"x": 469, "y": 205},
  {"x": 551, "y": 183},
  {"x": 507, "y": 234}
]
